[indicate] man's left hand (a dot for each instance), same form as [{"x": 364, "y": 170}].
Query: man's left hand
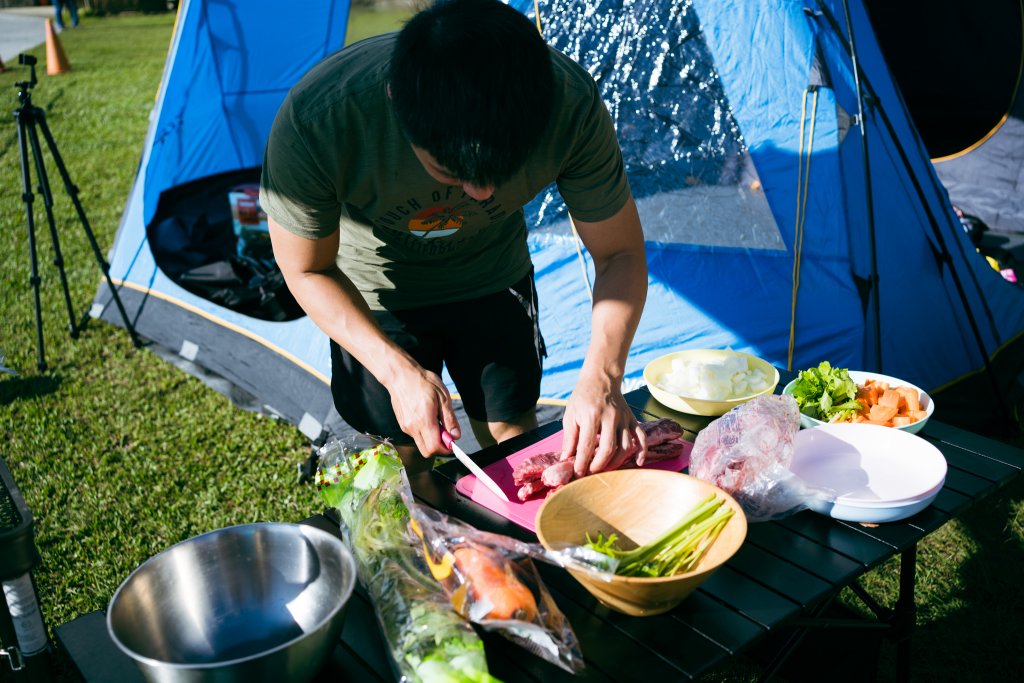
[{"x": 599, "y": 428}]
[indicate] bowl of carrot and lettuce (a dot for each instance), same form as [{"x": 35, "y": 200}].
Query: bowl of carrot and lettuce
[{"x": 836, "y": 395}]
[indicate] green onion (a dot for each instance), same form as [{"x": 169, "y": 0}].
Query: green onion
[{"x": 678, "y": 550}]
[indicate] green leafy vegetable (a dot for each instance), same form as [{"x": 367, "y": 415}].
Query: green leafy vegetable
[
  {"x": 826, "y": 393},
  {"x": 677, "y": 551},
  {"x": 428, "y": 641}
]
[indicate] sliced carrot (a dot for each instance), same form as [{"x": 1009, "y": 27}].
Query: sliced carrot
[
  {"x": 888, "y": 406},
  {"x": 882, "y": 413},
  {"x": 912, "y": 399},
  {"x": 890, "y": 398},
  {"x": 872, "y": 392}
]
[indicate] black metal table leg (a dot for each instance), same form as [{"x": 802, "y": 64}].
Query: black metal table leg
[{"x": 905, "y": 612}]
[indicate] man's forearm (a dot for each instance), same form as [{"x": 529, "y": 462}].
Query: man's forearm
[
  {"x": 337, "y": 308},
  {"x": 620, "y": 290},
  {"x": 418, "y": 396}
]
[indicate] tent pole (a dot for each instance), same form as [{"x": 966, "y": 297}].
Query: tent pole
[
  {"x": 933, "y": 223},
  {"x": 869, "y": 197}
]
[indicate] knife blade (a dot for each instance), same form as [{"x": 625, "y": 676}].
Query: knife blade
[{"x": 462, "y": 457}]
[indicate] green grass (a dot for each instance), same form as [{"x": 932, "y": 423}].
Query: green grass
[
  {"x": 365, "y": 24},
  {"x": 120, "y": 455},
  {"x": 117, "y": 453}
]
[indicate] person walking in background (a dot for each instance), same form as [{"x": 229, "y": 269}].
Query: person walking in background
[{"x": 58, "y": 11}]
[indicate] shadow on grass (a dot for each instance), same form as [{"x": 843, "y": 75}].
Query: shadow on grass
[
  {"x": 981, "y": 641},
  {"x": 15, "y": 388},
  {"x": 978, "y": 638}
]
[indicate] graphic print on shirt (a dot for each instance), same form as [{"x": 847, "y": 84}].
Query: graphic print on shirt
[
  {"x": 446, "y": 214},
  {"x": 437, "y": 221}
]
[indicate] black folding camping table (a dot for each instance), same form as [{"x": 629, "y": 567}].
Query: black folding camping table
[{"x": 774, "y": 591}]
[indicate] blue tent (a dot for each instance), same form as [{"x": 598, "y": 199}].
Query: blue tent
[{"x": 789, "y": 206}]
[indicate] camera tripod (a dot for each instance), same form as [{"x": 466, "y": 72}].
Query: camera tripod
[{"x": 31, "y": 120}]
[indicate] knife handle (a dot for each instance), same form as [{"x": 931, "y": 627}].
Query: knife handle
[{"x": 446, "y": 438}]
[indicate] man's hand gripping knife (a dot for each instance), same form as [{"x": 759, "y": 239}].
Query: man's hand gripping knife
[{"x": 418, "y": 396}]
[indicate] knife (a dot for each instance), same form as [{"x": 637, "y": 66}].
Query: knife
[{"x": 460, "y": 454}]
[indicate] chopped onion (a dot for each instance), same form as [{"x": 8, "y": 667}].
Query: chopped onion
[{"x": 713, "y": 380}]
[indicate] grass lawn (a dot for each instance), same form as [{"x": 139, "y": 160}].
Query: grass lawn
[{"x": 119, "y": 454}]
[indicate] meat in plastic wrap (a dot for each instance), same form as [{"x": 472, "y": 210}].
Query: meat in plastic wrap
[{"x": 747, "y": 453}]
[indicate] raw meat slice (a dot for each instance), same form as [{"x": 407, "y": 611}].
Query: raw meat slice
[
  {"x": 665, "y": 451},
  {"x": 660, "y": 431},
  {"x": 559, "y": 474},
  {"x": 531, "y": 468},
  {"x": 530, "y": 489}
]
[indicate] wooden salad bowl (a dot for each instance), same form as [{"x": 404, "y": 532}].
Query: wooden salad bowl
[{"x": 639, "y": 506}]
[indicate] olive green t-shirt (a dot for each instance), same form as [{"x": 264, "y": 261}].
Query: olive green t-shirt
[{"x": 336, "y": 159}]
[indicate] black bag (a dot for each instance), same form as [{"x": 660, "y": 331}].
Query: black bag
[{"x": 247, "y": 285}]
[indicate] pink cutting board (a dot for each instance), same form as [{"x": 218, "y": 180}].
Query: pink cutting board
[{"x": 524, "y": 514}]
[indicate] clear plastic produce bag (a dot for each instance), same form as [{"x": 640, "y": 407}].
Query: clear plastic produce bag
[
  {"x": 747, "y": 453},
  {"x": 492, "y": 581},
  {"x": 430, "y": 576},
  {"x": 428, "y": 642}
]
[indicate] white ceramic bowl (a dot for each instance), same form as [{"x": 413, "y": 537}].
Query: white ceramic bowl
[
  {"x": 877, "y": 474},
  {"x": 860, "y": 377},
  {"x": 872, "y": 515},
  {"x": 698, "y": 406}
]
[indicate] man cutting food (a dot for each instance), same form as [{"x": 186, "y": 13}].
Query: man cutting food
[{"x": 394, "y": 179}]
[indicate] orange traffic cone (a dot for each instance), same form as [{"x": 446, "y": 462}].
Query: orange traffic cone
[{"x": 56, "y": 60}]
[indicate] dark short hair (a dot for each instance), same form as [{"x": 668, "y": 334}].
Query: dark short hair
[{"x": 471, "y": 83}]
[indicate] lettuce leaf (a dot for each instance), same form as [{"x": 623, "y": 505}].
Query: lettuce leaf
[
  {"x": 427, "y": 640},
  {"x": 826, "y": 393}
]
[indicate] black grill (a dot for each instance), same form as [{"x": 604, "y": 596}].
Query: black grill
[
  {"x": 18, "y": 552},
  {"x": 9, "y": 517}
]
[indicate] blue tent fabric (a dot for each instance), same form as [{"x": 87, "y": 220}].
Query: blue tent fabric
[
  {"x": 943, "y": 310},
  {"x": 739, "y": 122},
  {"x": 229, "y": 68}
]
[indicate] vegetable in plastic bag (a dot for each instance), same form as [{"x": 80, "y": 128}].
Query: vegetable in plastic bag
[
  {"x": 747, "y": 453},
  {"x": 428, "y": 642},
  {"x": 492, "y": 581}
]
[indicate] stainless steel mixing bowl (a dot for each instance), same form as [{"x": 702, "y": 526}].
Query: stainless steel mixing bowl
[{"x": 256, "y": 602}]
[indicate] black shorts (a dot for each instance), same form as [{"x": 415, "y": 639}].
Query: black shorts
[{"x": 491, "y": 345}]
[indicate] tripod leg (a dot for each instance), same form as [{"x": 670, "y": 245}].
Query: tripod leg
[
  {"x": 27, "y": 197},
  {"x": 44, "y": 189},
  {"x": 72, "y": 191}
]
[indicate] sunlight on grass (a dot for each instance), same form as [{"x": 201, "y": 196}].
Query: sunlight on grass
[
  {"x": 366, "y": 24},
  {"x": 117, "y": 453}
]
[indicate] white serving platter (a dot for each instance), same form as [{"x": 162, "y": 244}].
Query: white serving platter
[{"x": 876, "y": 474}]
